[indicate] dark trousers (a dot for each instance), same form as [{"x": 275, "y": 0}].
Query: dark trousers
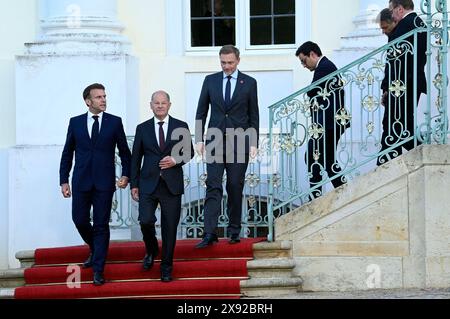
[
  {"x": 326, "y": 146},
  {"x": 214, "y": 194},
  {"x": 170, "y": 217},
  {"x": 398, "y": 125},
  {"x": 97, "y": 234}
]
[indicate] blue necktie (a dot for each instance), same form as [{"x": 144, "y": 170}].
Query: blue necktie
[
  {"x": 95, "y": 129},
  {"x": 228, "y": 91}
]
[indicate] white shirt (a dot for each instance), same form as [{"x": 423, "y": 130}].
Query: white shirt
[
  {"x": 318, "y": 62},
  {"x": 91, "y": 121},
  {"x": 165, "y": 128},
  {"x": 233, "y": 81}
]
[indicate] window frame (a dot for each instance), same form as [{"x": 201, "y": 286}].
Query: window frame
[{"x": 302, "y": 30}]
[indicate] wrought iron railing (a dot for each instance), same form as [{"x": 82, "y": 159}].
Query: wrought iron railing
[{"x": 354, "y": 96}]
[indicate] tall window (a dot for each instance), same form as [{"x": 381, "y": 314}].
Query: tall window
[
  {"x": 213, "y": 23},
  {"x": 272, "y": 22}
]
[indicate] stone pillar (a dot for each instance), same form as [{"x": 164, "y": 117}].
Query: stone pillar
[{"x": 79, "y": 44}]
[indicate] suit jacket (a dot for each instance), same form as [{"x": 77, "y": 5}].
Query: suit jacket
[
  {"x": 397, "y": 69},
  {"x": 331, "y": 104},
  {"x": 243, "y": 112},
  {"x": 94, "y": 163},
  {"x": 146, "y": 177}
]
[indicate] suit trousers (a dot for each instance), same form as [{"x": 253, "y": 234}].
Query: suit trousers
[
  {"x": 326, "y": 146},
  {"x": 170, "y": 217},
  {"x": 97, "y": 234},
  {"x": 214, "y": 194},
  {"x": 398, "y": 125}
]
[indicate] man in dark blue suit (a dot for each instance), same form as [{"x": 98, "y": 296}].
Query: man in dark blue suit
[
  {"x": 233, "y": 136},
  {"x": 398, "y": 120},
  {"x": 93, "y": 138},
  {"x": 165, "y": 145},
  {"x": 321, "y": 153}
]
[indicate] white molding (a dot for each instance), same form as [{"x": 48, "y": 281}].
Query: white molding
[{"x": 303, "y": 31}]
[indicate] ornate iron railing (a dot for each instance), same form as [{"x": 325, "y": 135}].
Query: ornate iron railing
[{"x": 354, "y": 96}]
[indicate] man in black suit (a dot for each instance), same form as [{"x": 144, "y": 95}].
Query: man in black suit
[
  {"x": 323, "y": 112},
  {"x": 232, "y": 137},
  {"x": 165, "y": 144},
  {"x": 93, "y": 138},
  {"x": 398, "y": 84}
]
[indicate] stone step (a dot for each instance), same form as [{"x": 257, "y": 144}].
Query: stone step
[
  {"x": 12, "y": 278},
  {"x": 270, "y": 287},
  {"x": 6, "y": 293},
  {"x": 271, "y": 268},
  {"x": 277, "y": 249},
  {"x": 26, "y": 258}
]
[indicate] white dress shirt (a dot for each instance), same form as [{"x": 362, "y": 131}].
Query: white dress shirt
[
  {"x": 233, "y": 81},
  {"x": 165, "y": 128},
  {"x": 91, "y": 121}
]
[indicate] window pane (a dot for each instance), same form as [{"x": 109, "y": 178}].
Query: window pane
[
  {"x": 201, "y": 31},
  {"x": 225, "y": 8},
  {"x": 200, "y": 8},
  {"x": 260, "y": 7},
  {"x": 284, "y": 6},
  {"x": 284, "y": 30},
  {"x": 261, "y": 31},
  {"x": 224, "y": 32}
]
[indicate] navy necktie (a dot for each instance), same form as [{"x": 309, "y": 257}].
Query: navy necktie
[
  {"x": 162, "y": 142},
  {"x": 95, "y": 129},
  {"x": 228, "y": 91}
]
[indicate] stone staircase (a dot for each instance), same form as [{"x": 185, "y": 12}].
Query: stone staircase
[{"x": 271, "y": 272}]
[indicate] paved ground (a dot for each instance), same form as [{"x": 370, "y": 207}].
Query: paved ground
[{"x": 375, "y": 294}]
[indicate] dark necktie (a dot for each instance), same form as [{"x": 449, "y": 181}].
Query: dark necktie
[
  {"x": 95, "y": 129},
  {"x": 162, "y": 142},
  {"x": 228, "y": 91}
]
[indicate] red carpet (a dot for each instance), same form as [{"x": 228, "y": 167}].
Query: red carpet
[{"x": 211, "y": 273}]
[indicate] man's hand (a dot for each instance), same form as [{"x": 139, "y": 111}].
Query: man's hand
[
  {"x": 253, "y": 152},
  {"x": 123, "y": 182},
  {"x": 167, "y": 162},
  {"x": 135, "y": 194},
  {"x": 200, "y": 148},
  {"x": 65, "y": 190}
]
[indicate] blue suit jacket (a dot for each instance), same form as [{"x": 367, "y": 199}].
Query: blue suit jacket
[
  {"x": 332, "y": 103},
  {"x": 94, "y": 164},
  {"x": 146, "y": 177},
  {"x": 242, "y": 113}
]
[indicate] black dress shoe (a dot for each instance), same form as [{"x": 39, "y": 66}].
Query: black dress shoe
[
  {"x": 88, "y": 262},
  {"x": 98, "y": 279},
  {"x": 208, "y": 240},
  {"x": 166, "y": 277},
  {"x": 148, "y": 262},
  {"x": 235, "y": 239}
]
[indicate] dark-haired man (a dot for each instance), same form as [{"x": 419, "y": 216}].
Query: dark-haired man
[
  {"x": 323, "y": 115},
  {"x": 93, "y": 137}
]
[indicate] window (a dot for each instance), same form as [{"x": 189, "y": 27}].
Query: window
[
  {"x": 213, "y": 23},
  {"x": 272, "y": 22},
  {"x": 248, "y": 24}
]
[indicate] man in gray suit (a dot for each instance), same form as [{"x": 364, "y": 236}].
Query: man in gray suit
[{"x": 233, "y": 134}]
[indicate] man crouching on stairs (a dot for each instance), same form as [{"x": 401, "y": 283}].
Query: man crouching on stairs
[{"x": 165, "y": 144}]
